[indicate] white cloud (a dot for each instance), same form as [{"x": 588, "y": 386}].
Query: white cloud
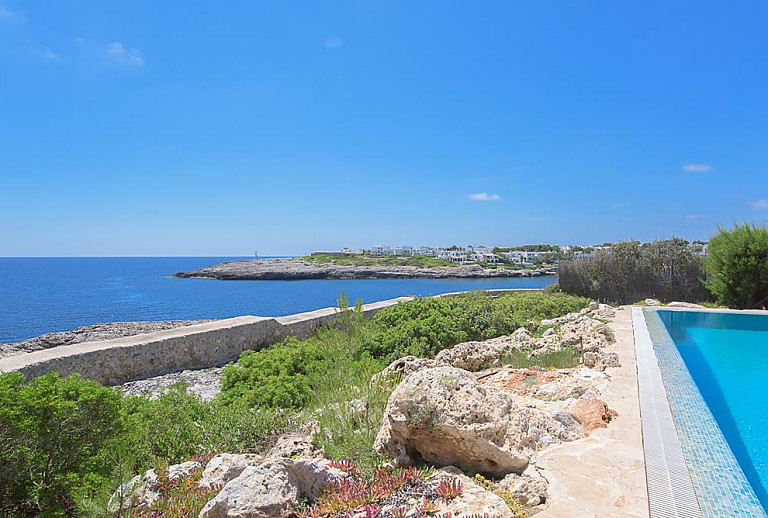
[
  {"x": 484, "y": 196},
  {"x": 698, "y": 168},
  {"x": 49, "y": 54},
  {"x": 119, "y": 53},
  {"x": 694, "y": 216},
  {"x": 334, "y": 42},
  {"x": 760, "y": 204}
]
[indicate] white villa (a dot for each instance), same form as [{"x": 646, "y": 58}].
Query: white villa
[
  {"x": 523, "y": 257},
  {"x": 483, "y": 257}
]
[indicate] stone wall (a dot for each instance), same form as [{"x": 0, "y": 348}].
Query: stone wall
[
  {"x": 117, "y": 361},
  {"x": 120, "y": 360}
]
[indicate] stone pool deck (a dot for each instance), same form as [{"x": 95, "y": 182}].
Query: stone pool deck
[{"x": 603, "y": 475}]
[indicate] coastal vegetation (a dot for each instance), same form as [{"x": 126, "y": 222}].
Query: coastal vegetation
[
  {"x": 69, "y": 442},
  {"x": 666, "y": 270},
  {"x": 738, "y": 266},
  {"x": 418, "y": 261}
]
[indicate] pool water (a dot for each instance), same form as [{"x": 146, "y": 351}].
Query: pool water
[{"x": 727, "y": 357}]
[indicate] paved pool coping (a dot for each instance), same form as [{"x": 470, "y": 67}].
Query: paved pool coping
[{"x": 691, "y": 470}]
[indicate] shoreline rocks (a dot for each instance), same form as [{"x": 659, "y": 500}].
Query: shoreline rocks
[
  {"x": 92, "y": 333},
  {"x": 300, "y": 269}
]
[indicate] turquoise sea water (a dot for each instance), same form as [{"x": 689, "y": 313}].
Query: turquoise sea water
[
  {"x": 40, "y": 295},
  {"x": 727, "y": 356}
]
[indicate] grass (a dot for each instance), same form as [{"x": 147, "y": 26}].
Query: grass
[
  {"x": 565, "y": 358},
  {"x": 419, "y": 261}
]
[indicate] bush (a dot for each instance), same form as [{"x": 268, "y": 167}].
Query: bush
[
  {"x": 666, "y": 270},
  {"x": 54, "y": 437},
  {"x": 738, "y": 264},
  {"x": 424, "y": 327}
]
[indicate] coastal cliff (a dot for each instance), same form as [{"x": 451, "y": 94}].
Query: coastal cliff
[{"x": 297, "y": 269}]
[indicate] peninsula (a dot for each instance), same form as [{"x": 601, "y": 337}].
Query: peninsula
[{"x": 298, "y": 268}]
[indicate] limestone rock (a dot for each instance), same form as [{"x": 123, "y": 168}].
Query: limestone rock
[
  {"x": 522, "y": 335},
  {"x": 472, "y": 356},
  {"x": 549, "y": 332},
  {"x": 272, "y": 489},
  {"x": 405, "y": 366},
  {"x": 530, "y": 488},
  {"x": 591, "y": 414},
  {"x": 445, "y": 416},
  {"x": 652, "y": 302},
  {"x": 265, "y": 491},
  {"x": 225, "y": 467},
  {"x": 474, "y": 499},
  {"x": 600, "y": 360},
  {"x": 293, "y": 446}
]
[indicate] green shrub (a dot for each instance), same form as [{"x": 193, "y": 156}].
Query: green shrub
[
  {"x": 177, "y": 425},
  {"x": 274, "y": 377},
  {"x": 54, "y": 437},
  {"x": 424, "y": 327},
  {"x": 738, "y": 263}
]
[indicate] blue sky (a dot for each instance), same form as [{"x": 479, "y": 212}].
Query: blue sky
[{"x": 219, "y": 128}]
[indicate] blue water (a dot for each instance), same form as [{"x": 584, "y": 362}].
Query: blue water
[
  {"x": 40, "y": 295},
  {"x": 727, "y": 356}
]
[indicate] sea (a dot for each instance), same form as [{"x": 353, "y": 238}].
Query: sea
[{"x": 42, "y": 295}]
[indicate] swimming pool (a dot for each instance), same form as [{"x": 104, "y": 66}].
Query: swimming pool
[{"x": 714, "y": 367}]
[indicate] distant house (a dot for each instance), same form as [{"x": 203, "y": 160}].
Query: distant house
[
  {"x": 424, "y": 250},
  {"x": 480, "y": 249},
  {"x": 485, "y": 257},
  {"x": 523, "y": 257},
  {"x": 381, "y": 250},
  {"x": 350, "y": 251},
  {"x": 456, "y": 256},
  {"x": 402, "y": 250}
]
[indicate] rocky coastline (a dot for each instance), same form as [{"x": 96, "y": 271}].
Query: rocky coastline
[
  {"x": 92, "y": 333},
  {"x": 299, "y": 269}
]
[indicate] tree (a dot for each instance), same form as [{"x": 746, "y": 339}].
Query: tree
[{"x": 738, "y": 264}]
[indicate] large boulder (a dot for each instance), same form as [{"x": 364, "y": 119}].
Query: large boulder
[
  {"x": 272, "y": 489},
  {"x": 473, "y": 356},
  {"x": 225, "y": 467},
  {"x": 446, "y": 417},
  {"x": 265, "y": 491}
]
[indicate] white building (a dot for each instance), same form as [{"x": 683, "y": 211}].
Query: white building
[
  {"x": 402, "y": 250},
  {"x": 424, "y": 250},
  {"x": 482, "y": 257},
  {"x": 381, "y": 250},
  {"x": 523, "y": 257},
  {"x": 456, "y": 256}
]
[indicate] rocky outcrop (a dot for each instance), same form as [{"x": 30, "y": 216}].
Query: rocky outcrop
[
  {"x": 297, "y": 268},
  {"x": 476, "y": 356},
  {"x": 271, "y": 489},
  {"x": 205, "y": 383},
  {"x": 91, "y": 333},
  {"x": 446, "y": 417},
  {"x": 225, "y": 467}
]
